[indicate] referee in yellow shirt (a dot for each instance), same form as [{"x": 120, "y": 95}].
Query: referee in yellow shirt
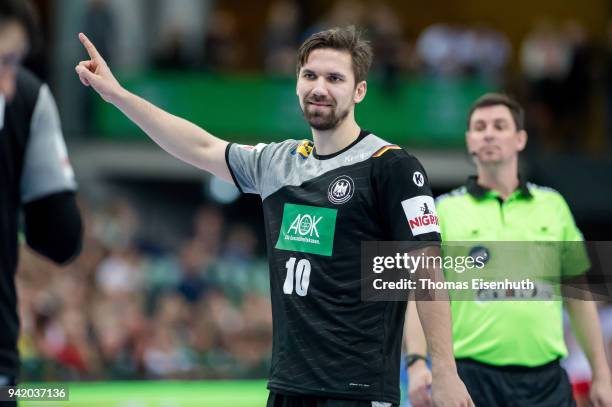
[{"x": 508, "y": 351}]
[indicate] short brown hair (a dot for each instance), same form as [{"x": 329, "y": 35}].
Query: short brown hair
[
  {"x": 20, "y": 11},
  {"x": 342, "y": 39},
  {"x": 494, "y": 99}
]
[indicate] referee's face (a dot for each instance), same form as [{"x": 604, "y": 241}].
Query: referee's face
[
  {"x": 326, "y": 88},
  {"x": 13, "y": 48},
  {"x": 492, "y": 137}
]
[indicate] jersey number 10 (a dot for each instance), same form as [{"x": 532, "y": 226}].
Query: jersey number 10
[{"x": 302, "y": 276}]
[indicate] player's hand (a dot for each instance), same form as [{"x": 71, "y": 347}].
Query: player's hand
[
  {"x": 449, "y": 391},
  {"x": 600, "y": 394},
  {"x": 95, "y": 73},
  {"x": 419, "y": 386}
]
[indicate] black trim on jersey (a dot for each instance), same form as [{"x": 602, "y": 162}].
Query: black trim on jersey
[
  {"x": 229, "y": 167},
  {"x": 14, "y": 138},
  {"x": 362, "y": 135},
  {"x": 44, "y": 217},
  {"x": 478, "y": 191}
]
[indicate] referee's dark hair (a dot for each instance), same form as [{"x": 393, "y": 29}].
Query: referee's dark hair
[
  {"x": 495, "y": 99},
  {"x": 20, "y": 11},
  {"x": 348, "y": 39}
]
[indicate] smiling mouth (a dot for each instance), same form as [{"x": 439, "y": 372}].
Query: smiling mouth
[{"x": 319, "y": 104}]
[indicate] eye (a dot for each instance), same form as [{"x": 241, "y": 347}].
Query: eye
[
  {"x": 334, "y": 78},
  {"x": 308, "y": 75}
]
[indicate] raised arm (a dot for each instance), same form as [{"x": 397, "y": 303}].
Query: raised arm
[{"x": 177, "y": 136}]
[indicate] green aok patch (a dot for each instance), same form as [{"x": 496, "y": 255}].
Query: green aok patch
[{"x": 307, "y": 229}]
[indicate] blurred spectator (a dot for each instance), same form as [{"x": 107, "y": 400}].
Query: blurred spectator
[
  {"x": 577, "y": 89},
  {"x": 194, "y": 263},
  {"x": 173, "y": 53},
  {"x": 557, "y": 61},
  {"x": 116, "y": 225},
  {"x": 99, "y": 23},
  {"x": 223, "y": 50},
  {"x": 280, "y": 40},
  {"x": 342, "y": 13},
  {"x": 491, "y": 52},
  {"x": 192, "y": 313},
  {"x": 392, "y": 52},
  {"x": 436, "y": 48},
  {"x": 607, "y": 77},
  {"x": 179, "y": 32},
  {"x": 238, "y": 270},
  {"x": 100, "y": 26},
  {"x": 545, "y": 53},
  {"x": 165, "y": 356},
  {"x": 121, "y": 273},
  {"x": 208, "y": 229},
  {"x": 453, "y": 51},
  {"x": 546, "y": 58}
]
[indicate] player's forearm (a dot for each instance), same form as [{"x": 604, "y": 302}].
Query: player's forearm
[
  {"x": 434, "y": 315},
  {"x": 413, "y": 331},
  {"x": 586, "y": 327},
  {"x": 436, "y": 321},
  {"x": 177, "y": 136}
]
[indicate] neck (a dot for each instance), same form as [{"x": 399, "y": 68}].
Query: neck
[
  {"x": 502, "y": 178},
  {"x": 331, "y": 141}
]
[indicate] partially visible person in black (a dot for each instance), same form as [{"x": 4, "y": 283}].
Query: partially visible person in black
[{"x": 35, "y": 176}]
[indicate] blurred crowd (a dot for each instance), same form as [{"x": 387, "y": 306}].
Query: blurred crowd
[
  {"x": 128, "y": 310},
  {"x": 558, "y": 69}
]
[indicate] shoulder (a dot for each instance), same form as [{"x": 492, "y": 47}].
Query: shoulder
[
  {"x": 547, "y": 196},
  {"x": 287, "y": 146},
  {"x": 395, "y": 165},
  {"x": 453, "y": 200},
  {"x": 389, "y": 154},
  {"x": 544, "y": 194},
  {"x": 541, "y": 190},
  {"x": 26, "y": 78},
  {"x": 453, "y": 195},
  {"x": 28, "y": 85}
]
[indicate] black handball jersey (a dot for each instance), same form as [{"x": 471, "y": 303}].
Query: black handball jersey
[
  {"x": 33, "y": 164},
  {"x": 317, "y": 211}
]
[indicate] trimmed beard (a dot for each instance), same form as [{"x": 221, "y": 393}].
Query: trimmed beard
[{"x": 324, "y": 121}]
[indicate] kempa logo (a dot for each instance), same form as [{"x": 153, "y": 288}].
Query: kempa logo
[
  {"x": 308, "y": 229},
  {"x": 360, "y": 157},
  {"x": 341, "y": 190},
  {"x": 418, "y": 179}
]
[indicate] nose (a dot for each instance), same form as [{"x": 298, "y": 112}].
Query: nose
[
  {"x": 319, "y": 89},
  {"x": 489, "y": 134},
  {"x": 7, "y": 82}
]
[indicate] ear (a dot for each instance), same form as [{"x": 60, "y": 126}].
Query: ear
[
  {"x": 521, "y": 140},
  {"x": 468, "y": 143},
  {"x": 360, "y": 91}
]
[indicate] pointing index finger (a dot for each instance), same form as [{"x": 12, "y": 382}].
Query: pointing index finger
[{"x": 91, "y": 49}]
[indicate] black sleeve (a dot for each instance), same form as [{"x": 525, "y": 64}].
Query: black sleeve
[
  {"x": 53, "y": 226},
  {"x": 405, "y": 200}
]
